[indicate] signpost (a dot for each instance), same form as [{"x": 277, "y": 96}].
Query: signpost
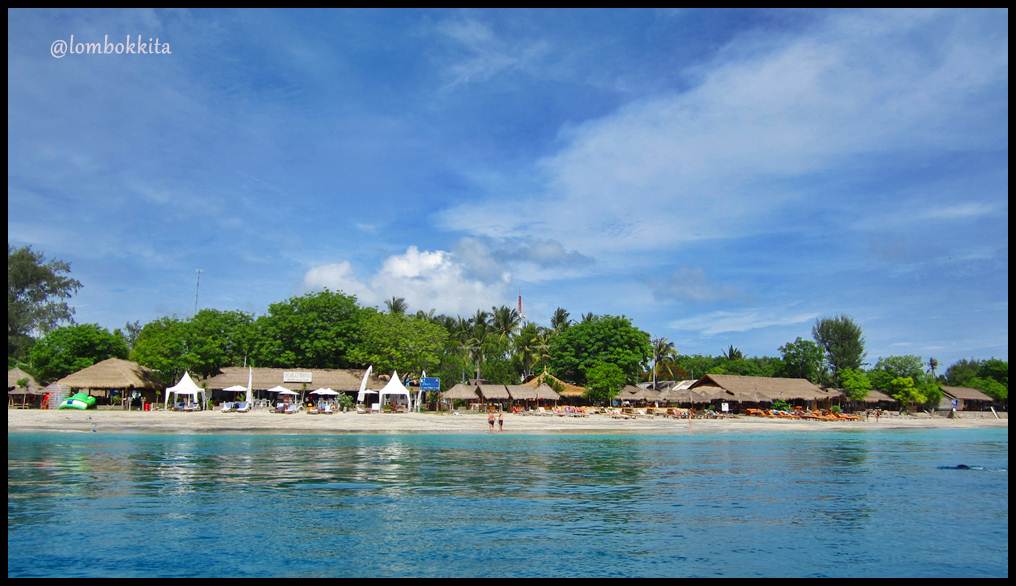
[
  {"x": 430, "y": 383},
  {"x": 297, "y": 377}
]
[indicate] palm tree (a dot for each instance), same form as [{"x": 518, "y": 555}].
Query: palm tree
[
  {"x": 396, "y": 306},
  {"x": 733, "y": 353},
  {"x": 932, "y": 365},
  {"x": 506, "y": 321},
  {"x": 587, "y": 317},
  {"x": 663, "y": 349},
  {"x": 559, "y": 320}
]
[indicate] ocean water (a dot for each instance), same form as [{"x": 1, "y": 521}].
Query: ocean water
[{"x": 719, "y": 504}]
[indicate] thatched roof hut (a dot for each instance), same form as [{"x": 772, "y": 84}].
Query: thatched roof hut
[
  {"x": 493, "y": 392},
  {"x": 112, "y": 373},
  {"x": 522, "y": 393},
  {"x": 16, "y": 374},
  {"x": 461, "y": 392},
  {"x": 567, "y": 389},
  {"x": 266, "y": 378},
  {"x": 966, "y": 394},
  {"x": 545, "y": 393},
  {"x": 757, "y": 389}
]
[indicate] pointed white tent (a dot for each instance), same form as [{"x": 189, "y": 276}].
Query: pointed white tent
[
  {"x": 363, "y": 386},
  {"x": 394, "y": 388},
  {"x": 187, "y": 387}
]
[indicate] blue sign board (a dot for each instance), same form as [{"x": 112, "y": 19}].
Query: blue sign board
[{"x": 430, "y": 383}]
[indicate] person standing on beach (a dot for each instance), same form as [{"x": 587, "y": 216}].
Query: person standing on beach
[
  {"x": 878, "y": 413},
  {"x": 500, "y": 421},
  {"x": 490, "y": 420}
]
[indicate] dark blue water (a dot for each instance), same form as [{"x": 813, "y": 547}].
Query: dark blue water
[{"x": 767, "y": 504}]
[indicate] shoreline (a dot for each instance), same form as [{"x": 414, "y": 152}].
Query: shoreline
[{"x": 214, "y": 422}]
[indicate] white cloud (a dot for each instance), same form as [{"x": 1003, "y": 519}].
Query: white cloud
[
  {"x": 764, "y": 122},
  {"x": 960, "y": 211},
  {"x": 482, "y": 54},
  {"x": 718, "y": 322},
  {"x": 425, "y": 279}
]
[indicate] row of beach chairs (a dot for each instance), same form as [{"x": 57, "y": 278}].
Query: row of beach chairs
[{"x": 821, "y": 415}]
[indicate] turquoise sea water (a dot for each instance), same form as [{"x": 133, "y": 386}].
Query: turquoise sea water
[{"x": 721, "y": 504}]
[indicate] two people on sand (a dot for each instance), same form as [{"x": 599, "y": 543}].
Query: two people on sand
[{"x": 500, "y": 420}]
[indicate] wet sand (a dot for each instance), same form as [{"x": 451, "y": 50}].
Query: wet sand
[{"x": 265, "y": 422}]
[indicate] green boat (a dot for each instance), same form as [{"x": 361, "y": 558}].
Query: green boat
[{"x": 80, "y": 401}]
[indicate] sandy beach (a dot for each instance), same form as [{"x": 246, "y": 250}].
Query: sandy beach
[{"x": 265, "y": 422}]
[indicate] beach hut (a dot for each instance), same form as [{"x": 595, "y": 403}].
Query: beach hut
[
  {"x": 966, "y": 399},
  {"x": 757, "y": 389},
  {"x": 460, "y": 392},
  {"x": 545, "y": 393},
  {"x": 22, "y": 397},
  {"x": 493, "y": 393},
  {"x": 188, "y": 388},
  {"x": 567, "y": 391},
  {"x": 115, "y": 374}
]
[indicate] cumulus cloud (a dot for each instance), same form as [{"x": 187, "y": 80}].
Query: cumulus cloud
[
  {"x": 719, "y": 322},
  {"x": 425, "y": 279},
  {"x": 758, "y": 129}
]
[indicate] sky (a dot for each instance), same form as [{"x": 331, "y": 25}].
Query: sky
[{"x": 721, "y": 177}]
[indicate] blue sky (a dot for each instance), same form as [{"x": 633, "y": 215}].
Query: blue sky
[{"x": 720, "y": 176}]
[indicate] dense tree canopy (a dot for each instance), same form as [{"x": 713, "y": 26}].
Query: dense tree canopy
[
  {"x": 604, "y": 381},
  {"x": 71, "y": 348},
  {"x": 393, "y": 341},
  {"x": 855, "y": 383},
  {"x": 37, "y": 291},
  {"x": 802, "y": 359},
  {"x": 842, "y": 342},
  {"x": 610, "y": 339},
  {"x": 316, "y": 330}
]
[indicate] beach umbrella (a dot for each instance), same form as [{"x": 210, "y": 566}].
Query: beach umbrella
[
  {"x": 236, "y": 389},
  {"x": 325, "y": 391},
  {"x": 282, "y": 391}
]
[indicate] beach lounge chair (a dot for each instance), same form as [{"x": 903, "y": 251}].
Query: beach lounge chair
[
  {"x": 328, "y": 409},
  {"x": 361, "y": 409},
  {"x": 292, "y": 408},
  {"x": 242, "y": 407},
  {"x": 227, "y": 407},
  {"x": 375, "y": 407}
]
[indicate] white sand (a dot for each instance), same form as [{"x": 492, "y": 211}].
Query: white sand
[{"x": 265, "y": 422}]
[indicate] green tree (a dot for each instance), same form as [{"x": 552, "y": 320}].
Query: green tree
[
  {"x": 37, "y": 291},
  {"x": 902, "y": 366},
  {"x": 611, "y": 339},
  {"x": 559, "y": 320},
  {"x": 392, "y": 341},
  {"x": 164, "y": 346},
  {"x": 962, "y": 371},
  {"x": 664, "y": 351},
  {"x": 903, "y": 389},
  {"x": 855, "y": 383},
  {"x": 695, "y": 366},
  {"x": 70, "y": 348},
  {"x": 316, "y": 330},
  {"x": 733, "y": 353},
  {"x": 604, "y": 381},
  {"x": 396, "y": 305},
  {"x": 842, "y": 342},
  {"x": 802, "y": 359},
  {"x": 995, "y": 369}
]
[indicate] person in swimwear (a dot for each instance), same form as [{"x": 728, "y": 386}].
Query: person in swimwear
[
  {"x": 490, "y": 420},
  {"x": 500, "y": 421}
]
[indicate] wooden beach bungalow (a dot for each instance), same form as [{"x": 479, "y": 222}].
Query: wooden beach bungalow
[
  {"x": 566, "y": 392},
  {"x": 460, "y": 392},
  {"x": 967, "y": 399},
  {"x": 115, "y": 381}
]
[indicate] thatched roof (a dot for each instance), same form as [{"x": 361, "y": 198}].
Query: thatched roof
[
  {"x": 461, "y": 392},
  {"x": 874, "y": 396},
  {"x": 633, "y": 393},
  {"x": 16, "y": 374},
  {"x": 522, "y": 392},
  {"x": 545, "y": 393},
  {"x": 569, "y": 390},
  {"x": 112, "y": 373},
  {"x": 493, "y": 392},
  {"x": 686, "y": 396},
  {"x": 760, "y": 388},
  {"x": 966, "y": 393},
  {"x": 266, "y": 378}
]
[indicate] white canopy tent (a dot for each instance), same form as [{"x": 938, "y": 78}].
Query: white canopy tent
[
  {"x": 187, "y": 387},
  {"x": 395, "y": 388}
]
